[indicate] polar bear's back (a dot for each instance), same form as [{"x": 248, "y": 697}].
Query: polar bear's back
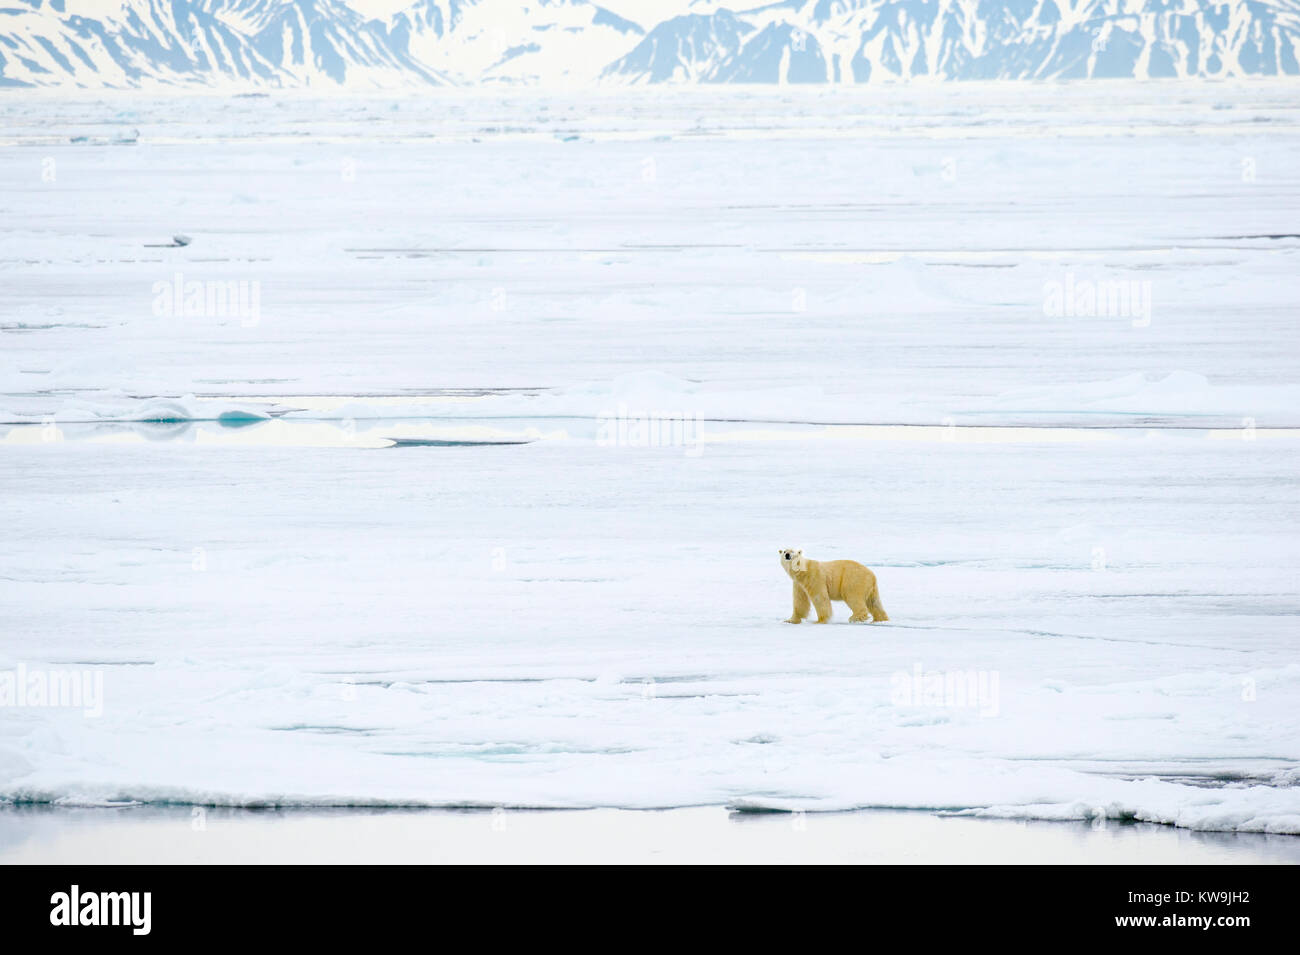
[{"x": 847, "y": 577}]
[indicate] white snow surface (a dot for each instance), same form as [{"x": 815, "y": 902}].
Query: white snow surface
[{"x": 1094, "y": 516}]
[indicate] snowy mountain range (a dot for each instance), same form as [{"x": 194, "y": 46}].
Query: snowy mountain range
[{"x": 394, "y": 43}]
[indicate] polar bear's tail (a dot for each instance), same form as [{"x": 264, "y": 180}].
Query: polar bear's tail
[{"x": 875, "y": 606}]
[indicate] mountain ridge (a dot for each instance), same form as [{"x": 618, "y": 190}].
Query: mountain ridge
[{"x": 330, "y": 43}]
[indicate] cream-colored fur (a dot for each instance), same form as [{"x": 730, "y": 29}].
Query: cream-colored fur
[{"x": 817, "y": 583}]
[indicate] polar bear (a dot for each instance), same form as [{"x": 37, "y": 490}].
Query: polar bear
[{"x": 818, "y": 583}]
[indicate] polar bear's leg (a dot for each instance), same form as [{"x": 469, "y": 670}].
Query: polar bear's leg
[
  {"x": 858, "y": 604},
  {"x": 800, "y": 604},
  {"x": 875, "y": 606},
  {"x": 822, "y": 601}
]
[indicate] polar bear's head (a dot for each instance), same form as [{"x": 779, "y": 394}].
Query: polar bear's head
[{"x": 792, "y": 559}]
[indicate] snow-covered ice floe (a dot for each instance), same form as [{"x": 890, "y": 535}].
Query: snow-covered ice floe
[{"x": 479, "y": 506}]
